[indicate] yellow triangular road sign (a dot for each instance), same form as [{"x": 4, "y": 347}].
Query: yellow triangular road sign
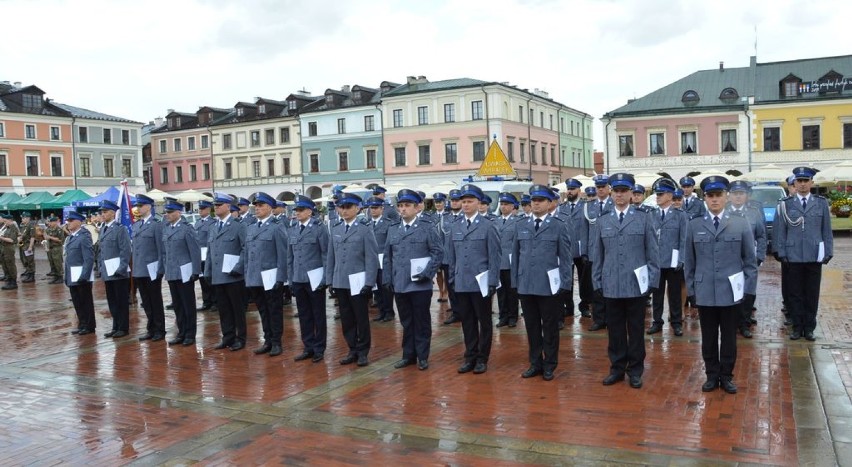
[{"x": 495, "y": 163}]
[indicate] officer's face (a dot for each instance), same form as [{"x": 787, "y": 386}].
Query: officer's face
[
  {"x": 527, "y": 208},
  {"x": 455, "y": 204},
  {"x": 677, "y": 202},
  {"x": 439, "y": 205},
  {"x": 602, "y": 191},
  {"x": 803, "y": 186},
  {"x": 483, "y": 208},
  {"x": 302, "y": 214},
  {"x": 664, "y": 199},
  {"x": 637, "y": 198},
  {"x": 204, "y": 212},
  {"x": 540, "y": 206},
  {"x": 243, "y": 209},
  {"x": 108, "y": 215},
  {"x": 715, "y": 201},
  {"x": 172, "y": 216},
  {"x": 73, "y": 224},
  {"x": 262, "y": 210},
  {"x": 506, "y": 208},
  {"x": 222, "y": 210},
  {"x": 687, "y": 190},
  {"x": 277, "y": 211},
  {"x": 738, "y": 198},
  {"x": 572, "y": 194},
  {"x": 376, "y": 211},
  {"x": 469, "y": 205},
  {"x": 144, "y": 210},
  {"x": 407, "y": 210},
  {"x": 621, "y": 197}
]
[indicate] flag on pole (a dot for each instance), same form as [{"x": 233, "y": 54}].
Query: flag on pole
[{"x": 125, "y": 216}]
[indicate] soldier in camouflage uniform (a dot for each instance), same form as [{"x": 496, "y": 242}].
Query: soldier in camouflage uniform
[
  {"x": 8, "y": 242},
  {"x": 26, "y": 244},
  {"x": 55, "y": 237}
]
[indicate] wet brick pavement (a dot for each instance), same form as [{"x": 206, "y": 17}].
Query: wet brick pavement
[{"x": 69, "y": 399}]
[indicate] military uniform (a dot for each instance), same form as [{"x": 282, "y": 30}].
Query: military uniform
[
  {"x": 227, "y": 237},
  {"x": 592, "y": 210},
  {"x": 54, "y": 252},
  {"x": 382, "y": 299},
  {"x": 180, "y": 248},
  {"x": 27, "y": 253},
  {"x": 755, "y": 218},
  {"x": 670, "y": 225},
  {"x": 115, "y": 244},
  {"x": 307, "y": 250},
  {"x": 202, "y": 236},
  {"x": 507, "y": 295},
  {"x": 147, "y": 257},
  {"x": 8, "y": 242},
  {"x": 579, "y": 230},
  {"x": 266, "y": 249},
  {"x": 79, "y": 253}
]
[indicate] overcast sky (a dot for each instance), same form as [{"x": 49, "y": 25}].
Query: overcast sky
[{"x": 137, "y": 59}]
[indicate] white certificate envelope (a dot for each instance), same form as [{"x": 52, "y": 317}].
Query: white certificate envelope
[
  {"x": 28, "y": 252},
  {"x": 482, "y": 280},
  {"x": 152, "y": 269},
  {"x": 737, "y": 285},
  {"x": 510, "y": 259},
  {"x": 228, "y": 262},
  {"x": 554, "y": 279},
  {"x": 418, "y": 265},
  {"x": 821, "y": 252},
  {"x": 185, "y": 272},
  {"x": 315, "y": 276},
  {"x": 357, "y": 282},
  {"x": 76, "y": 272},
  {"x": 381, "y": 259},
  {"x": 642, "y": 277},
  {"x": 111, "y": 265},
  {"x": 268, "y": 278},
  {"x": 203, "y": 253},
  {"x": 675, "y": 258},
  {"x": 92, "y": 275}
]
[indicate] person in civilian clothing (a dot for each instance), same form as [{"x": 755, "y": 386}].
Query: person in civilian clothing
[
  {"x": 148, "y": 263},
  {"x": 182, "y": 257},
  {"x": 407, "y": 240},
  {"x": 227, "y": 236},
  {"x": 202, "y": 235},
  {"x": 507, "y": 295},
  {"x": 79, "y": 253},
  {"x": 739, "y": 206},
  {"x": 670, "y": 225},
  {"x": 114, "y": 243},
  {"x": 376, "y": 221}
]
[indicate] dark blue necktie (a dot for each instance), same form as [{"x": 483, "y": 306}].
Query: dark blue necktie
[
  {"x": 537, "y": 224},
  {"x": 804, "y": 203},
  {"x": 716, "y": 222},
  {"x": 620, "y": 217},
  {"x": 347, "y": 229}
]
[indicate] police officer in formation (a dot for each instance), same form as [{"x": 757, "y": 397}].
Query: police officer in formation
[
  {"x": 455, "y": 216},
  {"x": 79, "y": 272},
  {"x": 507, "y": 296},
  {"x": 670, "y": 225},
  {"x": 389, "y": 209},
  {"x": 803, "y": 241},
  {"x": 55, "y": 237},
  {"x": 114, "y": 260},
  {"x": 693, "y": 206},
  {"x": 720, "y": 270},
  {"x": 572, "y": 212},
  {"x": 376, "y": 220},
  {"x": 739, "y": 205},
  {"x": 246, "y": 217},
  {"x": 592, "y": 211},
  {"x": 202, "y": 232},
  {"x": 148, "y": 266},
  {"x": 27, "y": 242},
  {"x": 442, "y": 216},
  {"x": 182, "y": 258}
]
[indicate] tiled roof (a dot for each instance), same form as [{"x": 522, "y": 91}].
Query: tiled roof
[
  {"x": 90, "y": 114},
  {"x": 429, "y": 86},
  {"x": 769, "y": 75}
]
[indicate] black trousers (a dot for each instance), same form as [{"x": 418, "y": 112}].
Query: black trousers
[
  {"x": 745, "y": 311},
  {"x": 232, "y": 316},
  {"x": 716, "y": 322},
  {"x": 183, "y": 299},
  {"x": 312, "y": 319},
  {"x": 670, "y": 283},
  {"x": 355, "y": 321},
  {"x": 625, "y": 318},
  {"x": 804, "y": 282},
  {"x": 416, "y": 323},
  {"x": 507, "y": 298},
  {"x": 597, "y": 304},
  {"x": 785, "y": 286},
  {"x": 541, "y": 318},
  {"x": 584, "y": 280},
  {"x": 84, "y": 306},
  {"x": 150, "y": 292},
  {"x": 451, "y": 291},
  {"x": 271, "y": 313},
  {"x": 475, "y": 313},
  {"x": 118, "y": 301},
  {"x": 383, "y": 298},
  {"x": 208, "y": 296}
]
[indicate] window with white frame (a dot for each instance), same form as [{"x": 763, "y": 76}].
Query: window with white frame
[
  {"x": 226, "y": 142},
  {"x": 423, "y": 115},
  {"x": 847, "y": 135},
  {"x": 312, "y": 128},
  {"x": 190, "y": 143},
  {"x": 533, "y": 154},
  {"x": 270, "y": 136},
  {"x": 229, "y": 170},
  {"x": 399, "y": 157},
  {"x": 125, "y": 137},
  {"x": 4, "y": 168},
  {"x": 107, "y": 136},
  {"x": 176, "y": 144},
  {"x": 625, "y": 145},
  {"x": 193, "y": 173},
  {"x": 162, "y": 146},
  {"x": 85, "y": 167},
  {"x": 255, "y": 138},
  {"x": 285, "y": 166},
  {"x": 2, "y": 130},
  {"x": 284, "y": 135},
  {"x": 369, "y": 123},
  {"x": 29, "y": 131},
  {"x": 205, "y": 141},
  {"x": 510, "y": 150},
  {"x": 314, "y": 162},
  {"x": 341, "y": 126},
  {"x": 728, "y": 141},
  {"x": 449, "y": 113},
  {"x": 397, "y": 118},
  {"x": 371, "y": 158},
  {"x": 56, "y": 165},
  {"x": 55, "y": 134},
  {"x": 32, "y": 165},
  {"x": 126, "y": 167},
  {"x": 772, "y": 138},
  {"x": 270, "y": 167},
  {"x": 255, "y": 169},
  {"x": 476, "y": 110},
  {"x": 83, "y": 135},
  {"x": 109, "y": 168},
  {"x": 688, "y": 142},
  {"x": 343, "y": 161},
  {"x": 656, "y": 143},
  {"x": 810, "y": 137},
  {"x": 179, "y": 174},
  {"x": 478, "y": 151},
  {"x": 205, "y": 171},
  {"x": 451, "y": 153},
  {"x": 424, "y": 155}
]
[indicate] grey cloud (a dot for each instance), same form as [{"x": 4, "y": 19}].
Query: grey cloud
[{"x": 652, "y": 22}]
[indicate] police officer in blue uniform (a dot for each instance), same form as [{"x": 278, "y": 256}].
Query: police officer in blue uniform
[
  {"x": 379, "y": 224},
  {"x": 693, "y": 206},
  {"x": 181, "y": 252},
  {"x": 541, "y": 272},
  {"x": 227, "y": 236},
  {"x": 246, "y": 217},
  {"x": 79, "y": 253},
  {"x": 739, "y": 205},
  {"x": 114, "y": 241},
  {"x": 507, "y": 295},
  {"x": 352, "y": 252},
  {"x": 572, "y": 211},
  {"x": 719, "y": 268},
  {"x": 625, "y": 270},
  {"x": 670, "y": 224},
  {"x": 803, "y": 240},
  {"x": 525, "y": 205},
  {"x": 389, "y": 209},
  {"x": 637, "y": 197},
  {"x": 474, "y": 249},
  {"x": 442, "y": 215},
  {"x": 148, "y": 263},
  {"x": 455, "y": 216},
  {"x": 202, "y": 226},
  {"x": 307, "y": 251},
  {"x": 485, "y": 208},
  {"x": 593, "y": 210},
  {"x": 412, "y": 239}
]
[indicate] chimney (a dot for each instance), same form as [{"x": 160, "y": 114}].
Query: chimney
[
  {"x": 18, "y": 84},
  {"x": 721, "y": 66},
  {"x": 345, "y": 88},
  {"x": 303, "y": 92},
  {"x": 158, "y": 121},
  {"x": 411, "y": 79},
  {"x": 169, "y": 111}
]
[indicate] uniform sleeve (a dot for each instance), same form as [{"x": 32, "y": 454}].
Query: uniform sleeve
[
  {"x": 124, "y": 251},
  {"x": 194, "y": 250},
  {"x": 749, "y": 260},
  {"x": 596, "y": 255},
  {"x": 241, "y": 236},
  {"x": 280, "y": 254},
  {"x": 827, "y": 236},
  {"x": 652, "y": 253},
  {"x": 88, "y": 253},
  {"x": 681, "y": 242},
  {"x": 495, "y": 253},
  {"x": 566, "y": 258},
  {"x": 161, "y": 251},
  {"x": 371, "y": 259},
  {"x": 689, "y": 262},
  {"x": 436, "y": 253},
  {"x": 329, "y": 261},
  {"x": 779, "y": 231},
  {"x": 760, "y": 238},
  {"x": 513, "y": 264}
]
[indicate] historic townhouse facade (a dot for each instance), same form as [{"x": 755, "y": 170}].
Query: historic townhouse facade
[{"x": 576, "y": 141}]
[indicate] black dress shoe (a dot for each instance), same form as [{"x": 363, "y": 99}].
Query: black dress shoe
[
  {"x": 275, "y": 350},
  {"x": 531, "y": 371},
  {"x": 613, "y": 378},
  {"x": 119, "y": 334},
  {"x": 378, "y": 318},
  {"x": 303, "y": 356},
  {"x": 188, "y": 342},
  {"x": 318, "y": 357},
  {"x": 176, "y": 341},
  {"x": 585, "y": 314},
  {"x": 452, "y": 319},
  {"x": 788, "y": 322},
  {"x": 512, "y": 323},
  {"x": 238, "y": 345},
  {"x": 480, "y": 368},
  {"x": 597, "y": 327},
  {"x": 221, "y": 345},
  {"x": 809, "y": 335},
  {"x": 467, "y": 367},
  {"x": 158, "y": 337},
  {"x": 547, "y": 375},
  {"x": 265, "y": 348},
  {"x": 75, "y": 331},
  {"x": 403, "y": 363},
  {"x": 655, "y": 328},
  {"x": 635, "y": 381},
  {"x": 795, "y": 335},
  {"x": 363, "y": 361},
  {"x": 746, "y": 332},
  {"x": 423, "y": 365},
  {"x": 502, "y": 323},
  {"x": 710, "y": 385},
  {"x": 205, "y": 307},
  {"x": 728, "y": 385},
  {"x": 83, "y": 332},
  {"x": 752, "y": 321},
  {"x": 349, "y": 359},
  {"x": 110, "y": 334}
]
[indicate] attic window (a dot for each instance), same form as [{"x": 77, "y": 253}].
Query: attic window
[
  {"x": 356, "y": 95},
  {"x": 329, "y": 99},
  {"x": 789, "y": 86},
  {"x": 291, "y": 105},
  {"x": 690, "y": 97},
  {"x": 261, "y": 109},
  {"x": 32, "y": 101},
  {"x": 729, "y": 94},
  {"x": 241, "y": 111}
]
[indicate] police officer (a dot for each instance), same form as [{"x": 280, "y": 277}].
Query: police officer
[
  {"x": 148, "y": 264},
  {"x": 455, "y": 216},
  {"x": 593, "y": 210},
  {"x": 8, "y": 241},
  {"x": 55, "y": 237},
  {"x": 739, "y": 205},
  {"x": 27, "y": 241},
  {"x": 802, "y": 235},
  {"x": 474, "y": 250},
  {"x": 785, "y": 286},
  {"x": 412, "y": 239},
  {"x": 227, "y": 238},
  {"x": 246, "y": 217},
  {"x": 442, "y": 215},
  {"x": 693, "y": 206},
  {"x": 182, "y": 257},
  {"x": 572, "y": 211},
  {"x": 637, "y": 196},
  {"x": 591, "y": 193},
  {"x": 526, "y": 208},
  {"x": 507, "y": 295},
  {"x": 202, "y": 235},
  {"x": 114, "y": 248},
  {"x": 719, "y": 268},
  {"x": 79, "y": 264},
  {"x": 625, "y": 269},
  {"x": 266, "y": 254},
  {"x": 353, "y": 251},
  {"x": 389, "y": 210},
  {"x": 485, "y": 208},
  {"x": 379, "y": 224},
  {"x": 670, "y": 226},
  {"x": 541, "y": 271},
  {"x": 307, "y": 251},
  {"x": 677, "y": 200}
]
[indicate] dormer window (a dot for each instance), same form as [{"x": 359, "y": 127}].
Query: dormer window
[
  {"x": 32, "y": 101},
  {"x": 690, "y": 97},
  {"x": 291, "y": 105},
  {"x": 789, "y": 86},
  {"x": 329, "y": 99},
  {"x": 261, "y": 109},
  {"x": 729, "y": 94},
  {"x": 241, "y": 111},
  {"x": 356, "y": 95}
]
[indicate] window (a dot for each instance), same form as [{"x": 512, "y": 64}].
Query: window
[
  {"x": 286, "y": 165},
  {"x": 540, "y": 122},
  {"x": 255, "y": 169},
  {"x": 226, "y": 141},
  {"x": 810, "y": 137},
  {"x": 397, "y": 118},
  {"x": 205, "y": 141},
  {"x": 190, "y": 143},
  {"x": 658, "y": 144},
  {"x": 369, "y": 123},
  {"x": 314, "y": 163},
  {"x": 32, "y": 101},
  {"x": 729, "y": 94},
  {"x": 510, "y": 151},
  {"x": 422, "y": 115},
  {"x": 176, "y": 144},
  {"x": 3, "y": 170},
  {"x": 107, "y": 136},
  {"x": 30, "y": 131},
  {"x": 32, "y": 166},
  {"x": 164, "y": 175},
  {"x": 312, "y": 128},
  {"x": 553, "y": 155},
  {"x": 229, "y": 171},
  {"x": 125, "y": 137},
  {"x": 478, "y": 151},
  {"x": 193, "y": 173},
  {"x": 625, "y": 146},
  {"x": 241, "y": 111},
  {"x": 476, "y": 110},
  {"x": 270, "y": 167},
  {"x": 690, "y": 97},
  {"x": 205, "y": 171},
  {"x": 451, "y": 154},
  {"x": 523, "y": 149},
  {"x": 83, "y": 135},
  {"x": 772, "y": 139},
  {"x": 56, "y": 166},
  {"x": 521, "y": 114},
  {"x": 270, "y": 137},
  {"x": 162, "y": 146},
  {"x": 449, "y": 113},
  {"x": 261, "y": 109},
  {"x": 85, "y": 167},
  {"x": 284, "y": 135},
  {"x": 371, "y": 158},
  {"x": 790, "y": 88},
  {"x": 292, "y": 105},
  {"x": 562, "y": 124},
  {"x": 178, "y": 174},
  {"x": 109, "y": 168},
  {"x": 54, "y": 133},
  {"x": 532, "y": 115},
  {"x": 399, "y": 157},
  {"x": 343, "y": 161},
  {"x": 543, "y": 154},
  {"x": 687, "y": 143},
  {"x": 533, "y": 157},
  {"x": 847, "y": 135},
  {"x": 126, "y": 167},
  {"x": 729, "y": 141},
  {"x": 551, "y": 121},
  {"x": 424, "y": 155},
  {"x": 255, "y": 138},
  {"x": 2, "y": 130},
  {"x": 341, "y": 126}
]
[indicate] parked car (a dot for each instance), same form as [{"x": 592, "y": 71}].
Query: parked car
[
  {"x": 767, "y": 196},
  {"x": 191, "y": 217}
]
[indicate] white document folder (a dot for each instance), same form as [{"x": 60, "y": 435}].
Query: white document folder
[
  {"x": 316, "y": 276},
  {"x": 675, "y": 258},
  {"x": 228, "y": 262},
  {"x": 268, "y": 277},
  {"x": 111, "y": 265},
  {"x": 482, "y": 280},
  {"x": 152, "y": 270},
  {"x": 737, "y": 285},
  {"x": 357, "y": 282},
  {"x": 554, "y": 279},
  {"x": 642, "y": 278},
  {"x": 418, "y": 265},
  {"x": 185, "y": 272}
]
